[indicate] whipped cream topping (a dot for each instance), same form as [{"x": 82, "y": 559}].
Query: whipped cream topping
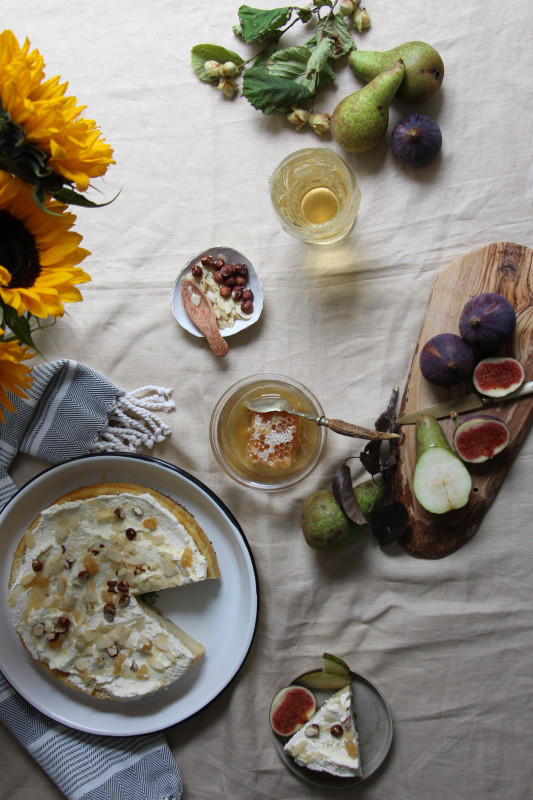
[
  {"x": 328, "y": 742},
  {"x": 73, "y": 595}
]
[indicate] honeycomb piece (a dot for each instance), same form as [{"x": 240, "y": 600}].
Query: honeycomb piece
[{"x": 273, "y": 439}]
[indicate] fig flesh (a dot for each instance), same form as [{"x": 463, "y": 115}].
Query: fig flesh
[
  {"x": 479, "y": 437},
  {"x": 416, "y": 140},
  {"x": 487, "y": 321},
  {"x": 498, "y": 376},
  {"x": 446, "y": 359},
  {"x": 290, "y": 709}
]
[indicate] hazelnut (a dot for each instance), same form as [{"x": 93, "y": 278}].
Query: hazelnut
[
  {"x": 247, "y": 307},
  {"x": 123, "y": 586},
  {"x": 84, "y": 574},
  {"x": 336, "y": 730},
  {"x": 109, "y": 612},
  {"x": 311, "y": 731},
  {"x": 112, "y": 651},
  {"x": 241, "y": 270},
  {"x": 240, "y": 280},
  {"x": 124, "y": 600},
  {"x": 237, "y": 293},
  {"x": 197, "y": 271},
  {"x": 218, "y": 263},
  {"x": 36, "y": 565},
  {"x": 119, "y": 513},
  {"x": 218, "y": 277},
  {"x": 207, "y": 260},
  {"x": 247, "y": 294},
  {"x": 131, "y": 533},
  {"x": 134, "y": 666},
  {"x": 225, "y": 291}
]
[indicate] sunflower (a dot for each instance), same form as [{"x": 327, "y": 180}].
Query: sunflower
[
  {"x": 39, "y": 254},
  {"x": 43, "y": 129},
  {"x": 15, "y": 377}
]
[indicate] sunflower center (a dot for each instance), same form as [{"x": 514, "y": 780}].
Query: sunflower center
[{"x": 18, "y": 252}]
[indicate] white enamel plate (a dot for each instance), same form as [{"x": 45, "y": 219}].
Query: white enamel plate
[{"x": 222, "y": 614}]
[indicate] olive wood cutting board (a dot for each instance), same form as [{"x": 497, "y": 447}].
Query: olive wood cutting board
[{"x": 506, "y": 269}]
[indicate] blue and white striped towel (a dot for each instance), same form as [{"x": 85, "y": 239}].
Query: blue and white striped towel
[{"x": 71, "y": 411}]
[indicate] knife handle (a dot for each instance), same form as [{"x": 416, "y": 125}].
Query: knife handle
[{"x": 348, "y": 429}]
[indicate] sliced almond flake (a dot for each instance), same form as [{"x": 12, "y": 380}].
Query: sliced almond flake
[
  {"x": 113, "y": 555},
  {"x": 26, "y": 580},
  {"x": 155, "y": 663},
  {"x": 29, "y": 539},
  {"x": 161, "y": 642}
]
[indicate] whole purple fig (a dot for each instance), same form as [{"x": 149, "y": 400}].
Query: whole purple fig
[
  {"x": 446, "y": 359},
  {"x": 416, "y": 140},
  {"x": 487, "y": 321}
]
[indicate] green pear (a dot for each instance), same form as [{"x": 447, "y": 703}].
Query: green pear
[
  {"x": 424, "y": 69},
  {"x": 360, "y": 121},
  {"x": 441, "y": 481},
  {"x": 326, "y": 527}
]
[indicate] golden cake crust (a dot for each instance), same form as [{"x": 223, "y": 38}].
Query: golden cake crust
[{"x": 181, "y": 514}]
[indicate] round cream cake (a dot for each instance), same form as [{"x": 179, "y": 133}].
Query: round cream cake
[{"x": 76, "y": 586}]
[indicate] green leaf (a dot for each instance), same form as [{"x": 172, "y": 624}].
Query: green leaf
[
  {"x": 334, "y": 28},
  {"x": 201, "y": 53},
  {"x": 72, "y": 198},
  {"x": 263, "y": 26},
  {"x": 269, "y": 93},
  {"x": 293, "y": 63},
  {"x": 19, "y": 326},
  {"x": 319, "y": 57}
]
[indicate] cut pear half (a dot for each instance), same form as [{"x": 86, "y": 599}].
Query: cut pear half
[{"x": 441, "y": 481}]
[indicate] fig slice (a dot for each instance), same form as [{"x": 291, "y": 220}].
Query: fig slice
[
  {"x": 479, "y": 437},
  {"x": 290, "y": 709},
  {"x": 498, "y": 376}
]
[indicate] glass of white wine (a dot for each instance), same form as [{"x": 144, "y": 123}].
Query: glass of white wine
[{"x": 316, "y": 195}]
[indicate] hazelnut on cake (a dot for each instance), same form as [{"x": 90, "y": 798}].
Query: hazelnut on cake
[{"x": 76, "y": 581}]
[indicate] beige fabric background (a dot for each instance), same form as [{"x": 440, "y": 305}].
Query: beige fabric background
[{"x": 448, "y": 642}]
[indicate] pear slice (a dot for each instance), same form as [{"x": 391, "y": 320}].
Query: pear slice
[
  {"x": 331, "y": 663},
  {"x": 441, "y": 481},
  {"x": 324, "y": 680}
]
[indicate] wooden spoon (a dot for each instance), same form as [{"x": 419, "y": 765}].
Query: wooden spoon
[{"x": 202, "y": 315}]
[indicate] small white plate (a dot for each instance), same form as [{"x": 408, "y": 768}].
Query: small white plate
[
  {"x": 222, "y": 614},
  {"x": 231, "y": 256},
  {"x": 374, "y": 729}
]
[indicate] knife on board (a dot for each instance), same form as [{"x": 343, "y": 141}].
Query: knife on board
[{"x": 467, "y": 403}]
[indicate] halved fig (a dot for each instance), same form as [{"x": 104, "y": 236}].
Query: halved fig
[
  {"x": 479, "y": 437},
  {"x": 290, "y": 709},
  {"x": 498, "y": 376}
]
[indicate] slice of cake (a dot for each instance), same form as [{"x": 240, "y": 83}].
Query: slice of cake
[
  {"x": 273, "y": 439},
  {"x": 328, "y": 742},
  {"x": 76, "y": 579}
]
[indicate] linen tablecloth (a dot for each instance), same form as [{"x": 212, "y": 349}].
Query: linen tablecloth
[{"x": 448, "y": 642}]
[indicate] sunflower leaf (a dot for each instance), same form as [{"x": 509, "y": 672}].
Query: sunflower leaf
[
  {"x": 201, "y": 53},
  {"x": 257, "y": 25},
  {"x": 19, "y": 326},
  {"x": 70, "y": 197},
  {"x": 269, "y": 93}
]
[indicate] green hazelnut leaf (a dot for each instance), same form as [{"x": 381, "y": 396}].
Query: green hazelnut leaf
[
  {"x": 318, "y": 61},
  {"x": 293, "y": 63},
  {"x": 269, "y": 93},
  {"x": 262, "y": 26},
  {"x": 334, "y": 28},
  {"x": 201, "y": 53}
]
